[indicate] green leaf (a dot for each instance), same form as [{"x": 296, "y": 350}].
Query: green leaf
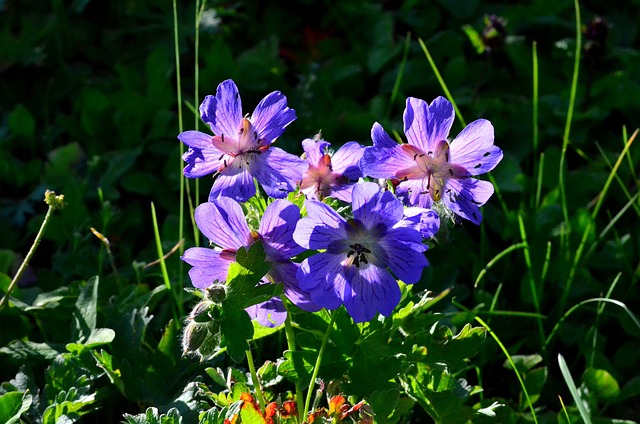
[
  {"x": 98, "y": 337},
  {"x": 25, "y": 350},
  {"x": 455, "y": 350},
  {"x": 245, "y": 274},
  {"x": 534, "y": 382},
  {"x": 217, "y": 375},
  {"x": 384, "y": 403},
  {"x": 268, "y": 374},
  {"x": 85, "y": 312},
  {"x": 21, "y": 122},
  {"x": 523, "y": 362},
  {"x": 297, "y": 365},
  {"x": 105, "y": 361},
  {"x": 250, "y": 413},
  {"x": 440, "y": 394},
  {"x": 236, "y": 329},
  {"x": 14, "y": 404},
  {"x": 601, "y": 383},
  {"x": 260, "y": 331}
]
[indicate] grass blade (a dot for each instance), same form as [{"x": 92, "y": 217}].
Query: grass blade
[
  {"x": 506, "y": 353},
  {"x": 442, "y": 83},
  {"x": 396, "y": 84},
  {"x": 584, "y": 302},
  {"x": 567, "y": 127},
  {"x": 596, "y": 209},
  {"x": 566, "y": 374}
]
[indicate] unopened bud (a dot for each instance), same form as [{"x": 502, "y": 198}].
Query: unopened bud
[
  {"x": 193, "y": 337},
  {"x": 200, "y": 313},
  {"x": 54, "y": 200},
  {"x": 216, "y": 293}
]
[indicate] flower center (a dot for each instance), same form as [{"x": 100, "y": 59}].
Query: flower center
[
  {"x": 240, "y": 147},
  {"x": 358, "y": 252},
  {"x": 363, "y": 245},
  {"x": 320, "y": 178},
  {"x": 433, "y": 167}
]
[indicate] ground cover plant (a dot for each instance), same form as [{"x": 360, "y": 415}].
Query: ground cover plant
[{"x": 319, "y": 212}]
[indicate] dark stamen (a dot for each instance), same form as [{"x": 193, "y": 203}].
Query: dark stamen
[
  {"x": 359, "y": 251},
  {"x": 486, "y": 154}
]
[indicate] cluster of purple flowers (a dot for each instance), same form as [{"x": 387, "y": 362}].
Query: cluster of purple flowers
[{"x": 357, "y": 260}]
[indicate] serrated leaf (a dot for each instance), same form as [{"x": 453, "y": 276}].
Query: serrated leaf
[
  {"x": 245, "y": 274},
  {"x": 297, "y": 365},
  {"x": 454, "y": 350},
  {"x": 13, "y": 405},
  {"x": 105, "y": 361},
  {"x": 236, "y": 329}
]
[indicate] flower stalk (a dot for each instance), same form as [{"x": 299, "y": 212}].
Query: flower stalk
[
  {"x": 316, "y": 367},
  {"x": 55, "y": 202}
]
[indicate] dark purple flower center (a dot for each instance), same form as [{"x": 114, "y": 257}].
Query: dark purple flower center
[{"x": 358, "y": 252}]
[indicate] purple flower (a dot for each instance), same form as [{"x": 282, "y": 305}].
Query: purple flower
[
  {"x": 330, "y": 175},
  {"x": 424, "y": 220},
  {"x": 359, "y": 254},
  {"x": 223, "y": 223},
  {"x": 429, "y": 168},
  {"x": 241, "y": 148}
]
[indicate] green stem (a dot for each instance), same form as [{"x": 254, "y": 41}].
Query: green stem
[
  {"x": 316, "y": 368},
  {"x": 535, "y": 114},
  {"x": 291, "y": 345},
  {"x": 567, "y": 127},
  {"x": 532, "y": 283},
  {"x": 256, "y": 381},
  {"x": 24, "y": 264},
  {"x": 177, "y": 310},
  {"x": 180, "y": 129}
]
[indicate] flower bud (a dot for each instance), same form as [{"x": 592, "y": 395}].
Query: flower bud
[
  {"x": 200, "y": 313},
  {"x": 216, "y": 293},
  {"x": 193, "y": 337}
]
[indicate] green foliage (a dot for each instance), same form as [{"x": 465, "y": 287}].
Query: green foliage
[{"x": 89, "y": 110}]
